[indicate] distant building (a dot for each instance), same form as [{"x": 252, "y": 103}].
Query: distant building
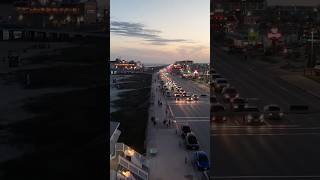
[
  {"x": 185, "y": 62},
  {"x": 54, "y": 13},
  {"x": 246, "y": 11},
  {"x": 90, "y": 11},
  {"x": 119, "y": 66}
]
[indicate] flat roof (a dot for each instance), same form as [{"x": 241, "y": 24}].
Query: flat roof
[{"x": 113, "y": 127}]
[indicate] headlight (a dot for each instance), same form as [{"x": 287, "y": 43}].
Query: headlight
[
  {"x": 214, "y": 118},
  {"x": 281, "y": 114},
  {"x": 237, "y": 95},
  {"x": 235, "y": 106},
  {"x": 224, "y": 118},
  {"x": 249, "y": 117},
  {"x": 227, "y": 96},
  {"x": 270, "y": 114}
]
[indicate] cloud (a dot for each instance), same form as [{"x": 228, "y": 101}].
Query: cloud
[{"x": 140, "y": 31}]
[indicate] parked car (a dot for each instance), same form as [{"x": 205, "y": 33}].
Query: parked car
[
  {"x": 273, "y": 111},
  {"x": 201, "y": 160},
  {"x": 191, "y": 141}
]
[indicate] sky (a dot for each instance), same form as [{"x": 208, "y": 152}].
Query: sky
[{"x": 160, "y": 31}]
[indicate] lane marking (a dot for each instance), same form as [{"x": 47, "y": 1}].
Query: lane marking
[
  {"x": 191, "y": 120},
  {"x": 270, "y": 128},
  {"x": 190, "y": 117},
  {"x": 245, "y": 126},
  {"x": 265, "y": 134},
  {"x": 265, "y": 177}
]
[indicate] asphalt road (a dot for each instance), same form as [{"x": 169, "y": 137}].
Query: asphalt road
[
  {"x": 288, "y": 150},
  {"x": 196, "y": 114}
]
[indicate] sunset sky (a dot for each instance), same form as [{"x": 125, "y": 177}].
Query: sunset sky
[{"x": 160, "y": 31}]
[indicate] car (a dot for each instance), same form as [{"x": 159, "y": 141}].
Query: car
[
  {"x": 189, "y": 98},
  {"x": 191, "y": 141},
  {"x": 229, "y": 93},
  {"x": 238, "y": 104},
  {"x": 178, "y": 97},
  {"x": 218, "y": 111},
  {"x": 185, "y": 129},
  {"x": 195, "y": 97},
  {"x": 215, "y": 76},
  {"x": 253, "y": 115},
  {"x": 213, "y": 99},
  {"x": 273, "y": 112},
  {"x": 219, "y": 84},
  {"x": 184, "y": 94},
  {"x": 317, "y": 65},
  {"x": 201, "y": 161}
]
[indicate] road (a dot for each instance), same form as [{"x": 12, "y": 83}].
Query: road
[
  {"x": 168, "y": 143},
  {"x": 196, "y": 114},
  {"x": 287, "y": 150}
]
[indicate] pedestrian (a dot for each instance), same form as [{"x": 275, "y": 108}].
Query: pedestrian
[{"x": 164, "y": 122}]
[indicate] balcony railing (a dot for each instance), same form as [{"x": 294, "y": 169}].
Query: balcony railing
[
  {"x": 122, "y": 147},
  {"x": 133, "y": 168}
]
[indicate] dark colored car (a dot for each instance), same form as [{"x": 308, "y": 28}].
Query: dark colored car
[
  {"x": 219, "y": 84},
  {"x": 191, "y": 142},
  {"x": 218, "y": 111},
  {"x": 178, "y": 97},
  {"x": 195, "y": 97},
  {"x": 273, "y": 112},
  {"x": 238, "y": 104},
  {"x": 213, "y": 99},
  {"x": 229, "y": 93},
  {"x": 185, "y": 129},
  {"x": 201, "y": 161},
  {"x": 215, "y": 76},
  {"x": 253, "y": 115}
]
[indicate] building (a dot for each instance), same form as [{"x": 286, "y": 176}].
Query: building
[
  {"x": 125, "y": 162},
  {"x": 53, "y": 13},
  {"x": 246, "y": 11},
  {"x": 119, "y": 66},
  {"x": 90, "y": 12}
]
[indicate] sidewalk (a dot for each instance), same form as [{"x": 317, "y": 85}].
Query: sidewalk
[{"x": 169, "y": 162}]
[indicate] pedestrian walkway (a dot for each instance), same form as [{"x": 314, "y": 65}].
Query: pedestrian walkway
[
  {"x": 171, "y": 160},
  {"x": 303, "y": 83}
]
